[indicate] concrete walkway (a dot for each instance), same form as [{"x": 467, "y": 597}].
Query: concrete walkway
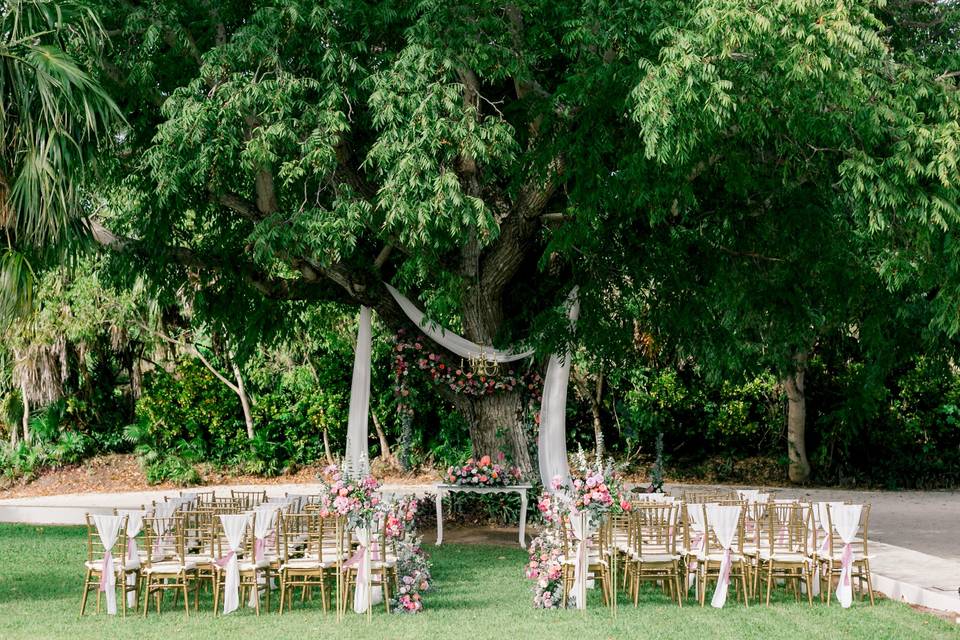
[{"x": 914, "y": 534}]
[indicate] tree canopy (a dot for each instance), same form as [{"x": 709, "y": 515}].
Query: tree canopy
[{"x": 731, "y": 181}]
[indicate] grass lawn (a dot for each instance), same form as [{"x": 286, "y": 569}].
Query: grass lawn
[{"x": 479, "y": 590}]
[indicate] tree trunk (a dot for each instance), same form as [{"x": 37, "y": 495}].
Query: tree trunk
[
  {"x": 495, "y": 427},
  {"x": 244, "y": 400},
  {"x": 799, "y": 470},
  {"x": 27, "y": 436},
  {"x": 593, "y": 398},
  {"x": 382, "y": 437},
  {"x": 326, "y": 447}
]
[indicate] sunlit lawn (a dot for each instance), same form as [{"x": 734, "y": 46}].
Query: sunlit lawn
[{"x": 480, "y": 592}]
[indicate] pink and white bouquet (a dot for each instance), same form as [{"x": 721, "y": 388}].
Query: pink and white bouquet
[
  {"x": 358, "y": 499},
  {"x": 413, "y": 570},
  {"x": 483, "y": 473},
  {"x": 595, "y": 489}
]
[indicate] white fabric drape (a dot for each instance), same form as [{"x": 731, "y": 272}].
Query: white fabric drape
[
  {"x": 108, "y": 529},
  {"x": 723, "y": 520},
  {"x": 365, "y": 595},
  {"x": 552, "y": 438},
  {"x": 263, "y": 530},
  {"x": 358, "y": 462},
  {"x": 819, "y": 529},
  {"x": 449, "y": 340},
  {"x": 580, "y": 527},
  {"x": 134, "y": 527},
  {"x": 234, "y": 527},
  {"x": 697, "y": 539},
  {"x": 846, "y": 521}
]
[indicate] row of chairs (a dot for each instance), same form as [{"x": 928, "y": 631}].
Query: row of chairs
[
  {"x": 187, "y": 544},
  {"x": 679, "y": 545}
]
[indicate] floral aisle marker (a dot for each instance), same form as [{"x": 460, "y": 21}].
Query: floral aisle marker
[
  {"x": 594, "y": 493},
  {"x": 360, "y": 502},
  {"x": 413, "y": 566}
]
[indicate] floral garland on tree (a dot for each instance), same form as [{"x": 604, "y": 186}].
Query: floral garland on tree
[{"x": 413, "y": 354}]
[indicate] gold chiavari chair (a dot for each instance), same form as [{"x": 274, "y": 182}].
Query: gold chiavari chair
[
  {"x": 784, "y": 551},
  {"x": 654, "y": 556},
  {"x": 382, "y": 566},
  {"x": 710, "y": 558},
  {"x": 94, "y": 564},
  {"x": 198, "y": 531},
  {"x": 311, "y": 549},
  {"x": 597, "y": 559},
  {"x": 831, "y": 561},
  {"x": 253, "y": 572},
  {"x": 165, "y": 566},
  {"x": 249, "y": 499}
]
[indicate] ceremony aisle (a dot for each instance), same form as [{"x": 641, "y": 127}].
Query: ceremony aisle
[{"x": 479, "y": 591}]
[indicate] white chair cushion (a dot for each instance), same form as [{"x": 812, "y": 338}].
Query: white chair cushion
[
  {"x": 655, "y": 557},
  {"x": 170, "y": 566},
  {"x": 784, "y": 556}
]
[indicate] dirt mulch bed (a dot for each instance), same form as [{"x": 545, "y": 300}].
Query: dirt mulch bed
[{"x": 121, "y": 472}]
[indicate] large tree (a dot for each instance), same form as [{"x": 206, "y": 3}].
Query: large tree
[{"x": 487, "y": 157}]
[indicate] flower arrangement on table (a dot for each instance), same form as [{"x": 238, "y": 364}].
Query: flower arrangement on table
[
  {"x": 357, "y": 499},
  {"x": 483, "y": 473}
]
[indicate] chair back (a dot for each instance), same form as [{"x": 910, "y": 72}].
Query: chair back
[
  {"x": 102, "y": 528},
  {"x": 248, "y": 499},
  {"x": 163, "y": 539},
  {"x": 723, "y": 523},
  {"x": 656, "y": 528},
  {"x": 847, "y": 523}
]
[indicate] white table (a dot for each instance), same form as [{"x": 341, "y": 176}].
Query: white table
[{"x": 520, "y": 489}]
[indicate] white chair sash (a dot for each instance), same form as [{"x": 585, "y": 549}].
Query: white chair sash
[
  {"x": 748, "y": 495},
  {"x": 134, "y": 527},
  {"x": 695, "y": 514},
  {"x": 580, "y": 527},
  {"x": 723, "y": 520},
  {"x": 364, "y": 596},
  {"x": 234, "y": 527},
  {"x": 263, "y": 530},
  {"x": 846, "y": 521},
  {"x": 108, "y": 529}
]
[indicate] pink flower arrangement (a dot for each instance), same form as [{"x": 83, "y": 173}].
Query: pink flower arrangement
[
  {"x": 413, "y": 570},
  {"x": 545, "y": 566},
  {"x": 483, "y": 473},
  {"x": 358, "y": 500}
]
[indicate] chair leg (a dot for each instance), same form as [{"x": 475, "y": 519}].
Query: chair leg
[
  {"x": 829, "y": 582},
  {"x": 146, "y": 595},
  {"x": 186, "y": 596},
  {"x": 743, "y": 580},
  {"x": 86, "y": 592},
  {"x": 866, "y": 568}
]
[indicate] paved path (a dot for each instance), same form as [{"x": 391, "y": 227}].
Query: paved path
[{"x": 917, "y": 544}]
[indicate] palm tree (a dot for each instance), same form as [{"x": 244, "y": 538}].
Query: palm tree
[{"x": 53, "y": 117}]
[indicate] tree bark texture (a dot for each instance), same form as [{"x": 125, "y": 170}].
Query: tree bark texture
[{"x": 799, "y": 469}]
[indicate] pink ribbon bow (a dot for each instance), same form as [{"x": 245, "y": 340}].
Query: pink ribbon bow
[
  {"x": 225, "y": 560},
  {"x": 132, "y": 553},
  {"x": 107, "y": 579}
]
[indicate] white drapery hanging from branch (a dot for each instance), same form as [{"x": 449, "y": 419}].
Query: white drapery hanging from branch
[
  {"x": 552, "y": 439},
  {"x": 449, "y": 340},
  {"x": 358, "y": 460}
]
